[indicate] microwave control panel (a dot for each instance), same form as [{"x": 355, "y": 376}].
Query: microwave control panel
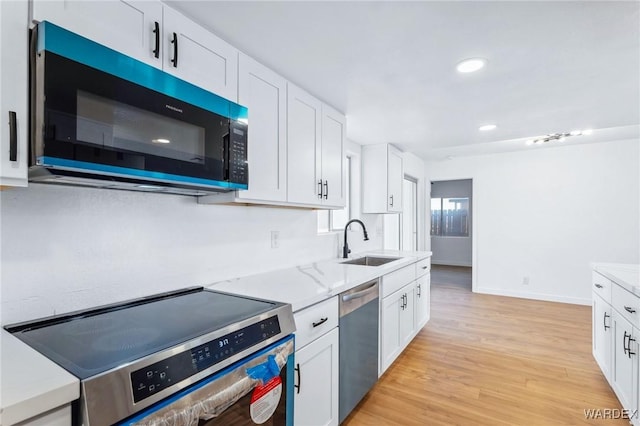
[{"x": 237, "y": 155}]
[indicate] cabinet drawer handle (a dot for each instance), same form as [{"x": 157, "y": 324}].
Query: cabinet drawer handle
[
  {"x": 174, "y": 41},
  {"x": 322, "y": 321},
  {"x": 13, "y": 137},
  {"x": 604, "y": 321},
  {"x": 630, "y": 309},
  {"x": 391, "y": 200},
  {"x": 598, "y": 285},
  {"x": 299, "y": 382},
  {"x": 156, "y": 31},
  {"x": 320, "y": 189},
  {"x": 326, "y": 189},
  {"x": 425, "y": 267}
]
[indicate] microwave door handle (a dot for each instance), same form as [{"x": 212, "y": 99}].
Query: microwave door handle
[{"x": 226, "y": 146}]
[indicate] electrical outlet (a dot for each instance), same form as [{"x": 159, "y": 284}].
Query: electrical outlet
[
  {"x": 525, "y": 281},
  {"x": 275, "y": 239}
]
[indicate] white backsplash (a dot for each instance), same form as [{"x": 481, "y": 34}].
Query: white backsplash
[{"x": 67, "y": 248}]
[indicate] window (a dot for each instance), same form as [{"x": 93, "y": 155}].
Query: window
[
  {"x": 335, "y": 220},
  {"x": 450, "y": 217}
]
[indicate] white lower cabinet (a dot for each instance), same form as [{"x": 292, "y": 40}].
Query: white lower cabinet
[
  {"x": 405, "y": 296},
  {"x": 316, "y": 386},
  {"x": 615, "y": 336},
  {"x": 602, "y": 331},
  {"x": 317, "y": 365},
  {"x": 57, "y": 417},
  {"x": 397, "y": 324},
  {"x": 423, "y": 300},
  {"x": 624, "y": 372}
]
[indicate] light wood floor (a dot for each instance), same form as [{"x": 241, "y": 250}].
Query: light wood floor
[{"x": 490, "y": 360}]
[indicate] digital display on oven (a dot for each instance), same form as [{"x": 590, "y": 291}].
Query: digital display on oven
[{"x": 162, "y": 374}]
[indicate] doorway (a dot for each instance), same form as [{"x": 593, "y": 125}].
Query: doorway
[{"x": 451, "y": 233}]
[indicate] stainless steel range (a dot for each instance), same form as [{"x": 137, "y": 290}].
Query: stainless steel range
[{"x": 193, "y": 354}]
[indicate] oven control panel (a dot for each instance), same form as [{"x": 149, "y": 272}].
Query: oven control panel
[{"x": 153, "y": 378}]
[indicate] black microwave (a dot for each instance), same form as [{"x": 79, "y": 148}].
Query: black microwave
[{"x": 101, "y": 118}]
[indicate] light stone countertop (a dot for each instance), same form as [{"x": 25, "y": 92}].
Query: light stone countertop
[
  {"x": 306, "y": 285},
  {"x": 625, "y": 275},
  {"x": 31, "y": 383}
]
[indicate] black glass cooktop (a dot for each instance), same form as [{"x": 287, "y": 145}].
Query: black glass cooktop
[{"x": 90, "y": 342}]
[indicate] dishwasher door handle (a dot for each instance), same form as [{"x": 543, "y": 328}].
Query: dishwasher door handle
[{"x": 359, "y": 294}]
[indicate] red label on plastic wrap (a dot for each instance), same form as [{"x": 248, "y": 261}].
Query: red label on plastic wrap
[{"x": 265, "y": 399}]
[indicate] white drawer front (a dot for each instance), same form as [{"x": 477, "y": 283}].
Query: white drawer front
[
  {"x": 315, "y": 321},
  {"x": 627, "y": 304},
  {"x": 423, "y": 267},
  {"x": 395, "y": 280},
  {"x": 601, "y": 286}
]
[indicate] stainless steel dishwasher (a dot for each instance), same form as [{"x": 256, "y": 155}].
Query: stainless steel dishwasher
[{"x": 359, "y": 313}]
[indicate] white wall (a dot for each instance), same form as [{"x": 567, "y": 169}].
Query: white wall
[
  {"x": 454, "y": 251},
  {"x": 547, "y": 214},
  {"x": 69, "y": 248}
]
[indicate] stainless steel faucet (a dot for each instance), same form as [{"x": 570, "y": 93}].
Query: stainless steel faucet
[{"x": 345, "y": 249}]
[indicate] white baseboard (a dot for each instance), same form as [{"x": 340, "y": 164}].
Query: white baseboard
[
  {"x": 534, "y": 296},
  {"x": 448, "y": 263}
]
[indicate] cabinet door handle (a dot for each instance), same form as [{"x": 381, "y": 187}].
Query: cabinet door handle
[
  {"x": 630, "y": 309},
  {"x": 156, "y": 31},
  {"x": 320, "y": 189},
  {"x": 624, "y": 342},
  {"x": 419, "y": 290},
  {"x": 174, "y": 41},
  {"x": 598, "y": 285},
  {"x": 297, "y": 368},
  {"x": 13, "y": 137},
  {"x": 326, "y": 189},
  {"x": 604, "y": 321},
  {"x": 391, "y": 200},
  {"x": 631, "y": 340},
  {"x": 322, "y": 321}
]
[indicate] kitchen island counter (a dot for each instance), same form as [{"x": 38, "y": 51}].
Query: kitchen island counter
[{"x": 625, "y": 275}]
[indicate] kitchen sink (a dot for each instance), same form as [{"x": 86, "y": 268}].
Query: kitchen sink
[{"x": 370, "y": 261}]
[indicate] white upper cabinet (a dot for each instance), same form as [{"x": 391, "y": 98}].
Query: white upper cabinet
[
  {"x": 303, "y": 137},
  {"x": 315, "y": 151},
  {"x": 14, "y": 17},
  {"x": 193, "y": 54},
  {"x": 265, "y": 94},
  {"x": 130, "y": 27},
  {"x": 332, "y": 158},
  {"x": 151, "y": 33},
  {"x": 382, "y": 176}
]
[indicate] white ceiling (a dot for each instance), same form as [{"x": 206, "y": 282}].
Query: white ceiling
[{"x": 390, "y": 66}]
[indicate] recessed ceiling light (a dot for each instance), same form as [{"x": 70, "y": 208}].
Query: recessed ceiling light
[
  {"x": 160, "y": 140},
  {"x": 471, "y": 65},
  {"x": 487, "y": 127}
]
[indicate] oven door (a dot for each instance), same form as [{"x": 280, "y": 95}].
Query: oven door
[{"x": 251, "y": 391}]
